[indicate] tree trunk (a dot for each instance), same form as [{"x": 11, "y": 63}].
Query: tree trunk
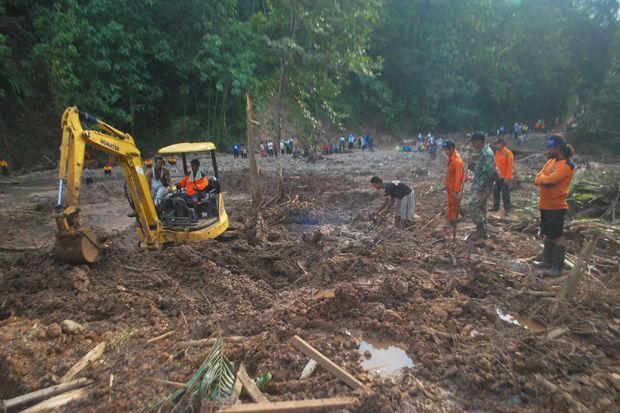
[
  {"x": 133, "y": 113},
  {"x": 255, "y": 184},
  {"x": 223, "y": 112}
]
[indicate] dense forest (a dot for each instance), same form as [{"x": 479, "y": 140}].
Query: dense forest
[{"x": 168, "y": 70}]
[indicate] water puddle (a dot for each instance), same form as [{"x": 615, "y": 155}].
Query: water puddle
[
  {"x": 325, "y": 294},
  {"x": 386, "y": 357},
  {"x": 534, "y": 326}
]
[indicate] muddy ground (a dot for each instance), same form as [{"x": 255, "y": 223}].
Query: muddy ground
[{"x": 390, "y": 285}]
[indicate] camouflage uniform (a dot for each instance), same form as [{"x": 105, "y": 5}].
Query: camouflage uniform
[{"x": 482, "y": 185}]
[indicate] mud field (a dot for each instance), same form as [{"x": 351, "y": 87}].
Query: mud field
[{"x": 372, "y": 297}]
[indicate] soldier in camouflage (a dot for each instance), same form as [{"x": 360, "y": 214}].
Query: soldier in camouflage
[{"x": 482, "y": 184}]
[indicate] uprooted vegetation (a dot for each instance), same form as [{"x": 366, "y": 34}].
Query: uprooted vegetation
[{"x": 259, "y": 289}]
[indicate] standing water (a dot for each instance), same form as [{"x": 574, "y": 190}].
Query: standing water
[{"x": 386, "y": 357}]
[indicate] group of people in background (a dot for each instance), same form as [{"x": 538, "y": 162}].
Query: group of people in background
[
  {"x": 520, "y": 129},
  {"x": 240, "y": 151},
  {"x": 269, "y": 148},
  {"x": 491, "y": 173}
]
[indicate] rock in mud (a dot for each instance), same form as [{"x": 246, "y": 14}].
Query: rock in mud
[
  {"x": 54, "y": 330},
  {"x": 71, "y": 327},
  {"x": 79, "y": 277}
]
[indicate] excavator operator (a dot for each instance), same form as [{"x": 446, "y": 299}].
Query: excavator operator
[{"x": 194, "y": 183}]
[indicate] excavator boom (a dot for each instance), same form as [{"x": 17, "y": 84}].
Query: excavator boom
[{"x": 75, "y": 242}]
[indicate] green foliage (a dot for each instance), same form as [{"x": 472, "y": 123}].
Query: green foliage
[
  {"x": 166, "y": 70},
  {"x": 214, "y": 379}
]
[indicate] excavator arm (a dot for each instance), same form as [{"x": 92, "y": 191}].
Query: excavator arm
[{"x": 75, "y": 242}]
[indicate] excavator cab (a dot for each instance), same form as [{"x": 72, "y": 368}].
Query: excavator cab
[{"x": 177, "y": 211}]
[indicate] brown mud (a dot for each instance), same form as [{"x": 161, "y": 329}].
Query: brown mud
[{"x": 389, "y": 285}]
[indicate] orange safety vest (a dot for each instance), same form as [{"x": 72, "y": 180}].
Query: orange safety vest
[
  {"x": 192, "y": 185},
  {"x": 503, "y": 161},
  {"x": 148, "y": 163},
  {"x": 454, "y": 177},
  {"x": 553, "y": 182}
]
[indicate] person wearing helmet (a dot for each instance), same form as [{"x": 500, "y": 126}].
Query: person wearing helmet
[{"x": 553, "y": 182}]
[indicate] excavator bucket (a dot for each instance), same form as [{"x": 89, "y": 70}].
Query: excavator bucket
[{"x": 77, "y": 247}]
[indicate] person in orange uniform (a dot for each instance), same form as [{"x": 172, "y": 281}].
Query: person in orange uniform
[
  {"x": 194, "y": 182},
  {"x": 4, "y": 167},
  {"x": 454, "y": 180},
  {"x": 553, "y": 182},
  {"x": 504, "y": 160},
  {"x": 148, "y": 163}
]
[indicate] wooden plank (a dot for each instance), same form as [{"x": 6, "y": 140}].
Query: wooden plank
[
  {"x": 42, "y": 394},
  {"x": 292, "y": 406},
  {"x": 326, "y": 363},
  {"x": 558, "y": 332},
  {"x": 238, "y": 385},
  {"x": 210, "y": 341},
  {"x": 90, "y": 357},
  {"x": 59, "y": 401},
  {"x": 251, "y": 387}
]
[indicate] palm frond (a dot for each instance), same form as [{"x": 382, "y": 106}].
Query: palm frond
[{"x": 213, "y": 379}]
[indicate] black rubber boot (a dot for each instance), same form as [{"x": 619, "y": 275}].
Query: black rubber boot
[
  {"x": 557, "y": 262},
  {"x": 547, "y": 256},
  {"x": 481, "y": 232}
]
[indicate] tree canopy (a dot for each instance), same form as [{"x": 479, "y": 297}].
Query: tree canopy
[{"x": 170, "y": 70}]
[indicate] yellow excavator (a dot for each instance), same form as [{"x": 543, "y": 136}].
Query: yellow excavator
[{"x": 170, "y": 221}]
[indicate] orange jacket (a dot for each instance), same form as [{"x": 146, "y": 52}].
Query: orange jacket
[
  {"x": 503, "y": 161},
  {"x": 553, "y": 182},
  {"x": 192, "y": 186},
  {"x": 454, "y": 178}
]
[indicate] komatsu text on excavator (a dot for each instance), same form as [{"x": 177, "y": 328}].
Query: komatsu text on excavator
[{"x": 167, "y": 222}]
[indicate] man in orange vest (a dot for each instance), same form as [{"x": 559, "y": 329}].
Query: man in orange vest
[
  {"x": 4, "y": 167},
  {"x": 504, "y": 160},
  {"x": 194, "y": 182},
  {"x": 553, "y": 182},
  {"x": 454, "y": 180}
]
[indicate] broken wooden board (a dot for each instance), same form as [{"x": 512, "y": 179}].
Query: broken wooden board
[
  {"x": 292, "y": 406},
  {"x": 42, "y": 394},
  {"x": 251, "y": 387},
  {"x": 90, "y": 357},
  {"x": 558, "y": 332},
  {"x": 59, "y": 401},
  {"x": 326, "y": 363}
]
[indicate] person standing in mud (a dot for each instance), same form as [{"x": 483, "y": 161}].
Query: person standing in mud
[
  {"x": 553, "y": 182},
  {"x": 482, "y": 184},
  {"x": 454, "y": 180},
  {"x": 4, "y": 167},
  {"x": 504, "y": 160},
  {"x": 398, "y": 193}
]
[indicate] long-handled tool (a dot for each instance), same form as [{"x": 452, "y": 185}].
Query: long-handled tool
[
  {"x": 458, "y": 206},
  {"x": 456, "y": 220}
]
